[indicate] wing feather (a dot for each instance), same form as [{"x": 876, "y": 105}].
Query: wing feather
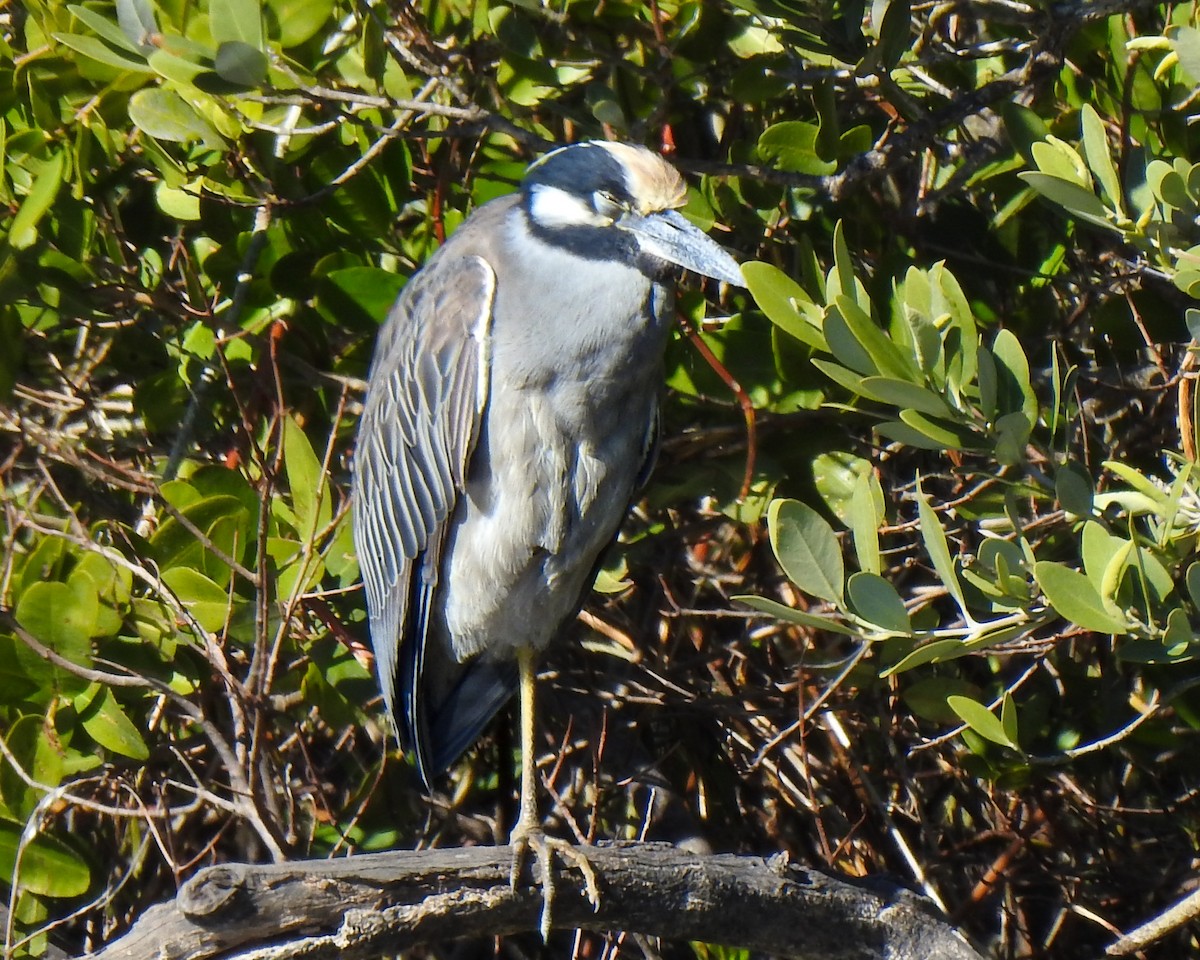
[{"x": 428, "y": 389}]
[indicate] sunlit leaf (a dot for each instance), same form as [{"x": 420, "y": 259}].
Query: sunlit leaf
[
  {"x": 236, "y": 21},
  {"x": 792, "y": 146},
  {"x": 1075, "y": 599},
  {"x": 936, "y": 545},
  {"x": 865, "y": 514},
  {"x": 1075, "y": 199},
  {"x": 23, "y": 228},
  {"x": 46, "y": 866},
  {"x": 792, "y": 615},
  {"x": 784, "y": 302},
  {"x": 109, "y": 726},
  {"x": 205, "y": 600},
  {"x": 164, "y": 114},
  {"x": 980, "y": 719},
  {"x": 1096, "y": 152},
  {"x": 308, "y": 485},
  {"x": 807, "y": 549}
]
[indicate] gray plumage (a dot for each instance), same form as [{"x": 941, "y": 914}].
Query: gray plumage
[{"x": 511, "y": 407}]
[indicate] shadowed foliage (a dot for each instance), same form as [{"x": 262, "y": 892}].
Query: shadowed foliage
[{"x": 946, "y": 633}]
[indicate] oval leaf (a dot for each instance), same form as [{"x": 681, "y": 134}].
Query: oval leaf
[
  {"x": 1074, "y": 598},
  {"x": 876, "y": 601},
  {"x": 165, "y": 115},
  {"x": 107, "y": 724},
  {"x": 807, "y": 549},
  {"x": 980, "y": 719},
  {"x": 47, "y": 868}
]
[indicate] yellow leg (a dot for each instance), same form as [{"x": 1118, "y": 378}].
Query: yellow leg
[{"x": 527, "y": 835}]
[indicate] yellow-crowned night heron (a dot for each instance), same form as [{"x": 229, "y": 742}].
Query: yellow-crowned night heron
[{"x": 511, "y": 412}]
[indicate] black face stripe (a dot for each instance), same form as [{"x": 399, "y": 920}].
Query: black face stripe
[
  {"x": 608, "y": 244},
  {"x": 582, "y": 171}
]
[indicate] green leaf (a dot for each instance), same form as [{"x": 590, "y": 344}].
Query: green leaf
[
  {"x": 1193, "y": 584},
  {"x": 23, "y": 228},
  {"x": 1073, "y": 489},
  {"x": 138, "y": 23},
  {"x": 111, "y": 33},
  {"x": 1012, "y": 435},
  {"x": 835, "y": 474},
  {"x": 875, "y": 600},
  {"x": 164, "y": 114},
  {"x": 944, "y": 434},
  {"x": 791, "y": 615},
  {"x": 886, "y": 358},
  {"x": 807, "y": 549},
  {"x": 980, "y": 719},
  {"x": 205, "y": 600},
  {"x": 47, "y": 866},
  {"x": 784, "y": 302},
  {"x": 1178, "y": 637},
  {"x": 1014, "y": 390},
  {"x": 1097, "y": 547},
  {"x": 241, "y": 64},
  {"x": 1140, "y": 483},
  {"x": 934, "y": 538},
  {"x": 865, "y": 514},
  {"x": 1114, "y": 573},
  {"x": 236, "y": 20},
  {"x": 910, "y": 437},
  {"x": 1059, "y": 160},
  {"x": 178, "y": 204},
  {"x": 62, "y": 617},
  {"x": 309, "y": 487},
  {"x": 935, "y": 652},
  {"x": 1185, "y": 41},
  {"x": 1095, "y": 151},
  {"x": 905, "y": 393},
  {"x": 107, "y": 724},
  {"x": 792, "y": 146},
  {"x": 845, "y": 378},
  {"x": 927, "y": 698},
  {"x": 103, "y": 52},
  {"x": 1073, "y": 198},
  {"x": 223, "y": 519},
  {"x": 299, "y": 20},
  {"x": 33, "y": 744},
  {"x": 988, "y": 378},
  {"x": 894, "y": 28},
  {"x": 842, "y": 279},
  {"x": 1024, "y": 127},
  {"x": 181, "y": 70},
  {"x": 1157, "y": 581},
  {"x": 1008, "y": 718},
  {"x": 1073, "y": 597},
  {"x": 845, "y": 346}
]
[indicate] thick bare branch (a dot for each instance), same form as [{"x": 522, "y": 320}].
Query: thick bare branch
[{"x": 379, "y": 903}]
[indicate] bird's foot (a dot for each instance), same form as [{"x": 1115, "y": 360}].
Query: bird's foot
[{"x": 528, "y": 838}]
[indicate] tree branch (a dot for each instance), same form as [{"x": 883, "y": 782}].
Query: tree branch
[{"x": 366, "y": 905}]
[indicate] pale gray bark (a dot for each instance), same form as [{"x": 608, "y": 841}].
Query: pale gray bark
[{"x": 371, "y": 905}]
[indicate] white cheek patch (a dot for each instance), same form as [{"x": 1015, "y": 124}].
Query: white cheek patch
[{"x": 552, "y": 207}]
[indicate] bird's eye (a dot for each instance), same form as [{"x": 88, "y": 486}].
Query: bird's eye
[{"x": 608, "y": 204}]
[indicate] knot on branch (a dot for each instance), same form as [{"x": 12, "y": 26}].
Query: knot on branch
[{"x": 215, "y": 893}]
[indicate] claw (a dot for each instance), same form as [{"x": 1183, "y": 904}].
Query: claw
[
  {"x": 528, "y": 834},
  {"x": 526, "y": 839}
]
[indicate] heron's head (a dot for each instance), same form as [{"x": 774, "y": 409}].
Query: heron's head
[{"x": 589, "y": 194}]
